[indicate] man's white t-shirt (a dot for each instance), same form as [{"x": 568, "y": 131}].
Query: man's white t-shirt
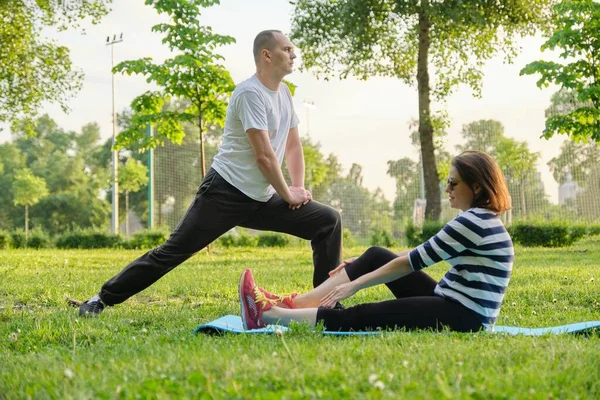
[{"x": 253, "y": 105}]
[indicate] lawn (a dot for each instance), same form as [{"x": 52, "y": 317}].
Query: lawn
[{"x": 145, "y": 348}]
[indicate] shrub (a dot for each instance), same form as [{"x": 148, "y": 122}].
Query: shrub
[
  {"x": 226, "y": 240},
  {"x": 4, "y": 240},
  {"x": 416, "y": 235},
  {"x": 348, "y": 239},
  {"x": 87, "y": 239},
  {"x": 272, "y": 240},
  {"x": 237, "y": 238},
  {"x": 38, "y": 239},
  {"x": 245, "y": 239},
  {"x": 594, "y": 230},
  {"x": 146, "y": 240},
  {"x": 546, "y": 234},
  {"x": 17, "y": 239},
  {"x": 381, "y": 237}
]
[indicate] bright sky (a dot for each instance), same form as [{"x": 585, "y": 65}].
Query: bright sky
[{"x": 364, "y": 122}]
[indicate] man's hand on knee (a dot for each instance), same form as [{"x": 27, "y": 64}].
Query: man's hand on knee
[{"x": 299, "y": 197}]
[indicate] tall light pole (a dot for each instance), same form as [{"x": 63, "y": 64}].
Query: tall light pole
[{"x": 115, "y": 153}]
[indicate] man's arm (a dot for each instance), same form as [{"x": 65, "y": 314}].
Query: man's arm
[
  {"x": 269, "y": 166},
  {"x": 294, "y": 157}
]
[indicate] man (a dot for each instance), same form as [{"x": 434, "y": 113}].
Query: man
[{"x": 245, "y": 186}]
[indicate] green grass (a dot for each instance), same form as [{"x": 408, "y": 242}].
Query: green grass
[{"x": 145, "y": 348}]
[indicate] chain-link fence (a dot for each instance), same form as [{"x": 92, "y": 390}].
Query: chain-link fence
[{"x": 575, "y": 170}]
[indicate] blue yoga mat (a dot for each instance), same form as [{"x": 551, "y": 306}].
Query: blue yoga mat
[{"x": 233, "y": 324}]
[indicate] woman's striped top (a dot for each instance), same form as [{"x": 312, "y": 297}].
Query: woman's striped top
[{"x": 480, "y": 252}]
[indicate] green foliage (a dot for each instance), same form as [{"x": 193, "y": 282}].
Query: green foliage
[
  {"x": 238, "y": 238},
  {"x": 36, "y": 70},
  {"x": 245, "y": 239},
  {"x": 404, "y": 40},
  {"x": 87, "y": 239},
  {"x": 272, "y": 240},
  {"x": 28, "y": 189},
  {"x": 146, "y": 240},
  {"x": 133, "y": 175},
  {"x": 18, "y": 240},
  {"x": 227, "y": 240},
  {"x": 577, "y": 23},
  {"x": 38, "y": 239},
  {"x": 73, "y": 169},
  {"x": 381, "y": 237},
  {"x": 4, "y": 240},
  {"x": 194, "y": 73},
  {"x": 347, "y": 238},
  {"x": 546, "y": 234},
  {"x": 416, "y": 235}
]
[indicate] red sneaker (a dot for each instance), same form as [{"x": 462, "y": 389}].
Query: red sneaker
[
  {"x": 279, "y": 301},
  {"x": 253, "y": 302}
]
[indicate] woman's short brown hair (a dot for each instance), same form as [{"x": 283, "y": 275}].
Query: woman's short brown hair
[{"x": 477, "y": 167}]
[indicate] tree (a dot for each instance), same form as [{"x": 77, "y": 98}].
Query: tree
[
  {"x": 401, "y": 38},
  {"x": 28, "y": 190},
  {"x": 74, "y": 180},
  {"x": 483, "y": 135},
  {"x": 577, "y": 23},
  {"x": 192, "y": 74},
  {"x": 132, "y": 176},
  {"x": 518, "y": 164},
  {"x": 34, "y": 70}
]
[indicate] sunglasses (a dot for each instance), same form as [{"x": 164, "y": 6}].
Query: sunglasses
[{"x": 452, "y": 183}]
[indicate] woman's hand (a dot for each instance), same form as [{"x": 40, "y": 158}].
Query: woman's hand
[
  {"x": 338, "y": 293},
  {"x": 341, "y": 266}
]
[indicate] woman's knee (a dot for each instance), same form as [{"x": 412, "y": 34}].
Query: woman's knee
[{"x": 375, "y": 253}]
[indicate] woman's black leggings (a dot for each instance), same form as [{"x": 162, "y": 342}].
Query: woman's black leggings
[{"x": 415, "y": 306}]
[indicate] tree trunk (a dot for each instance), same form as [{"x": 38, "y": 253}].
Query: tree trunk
[
  {"x": 127, "y": 212},
  {"x": 432, "y": 187},
  {"x": 26, "y": 223}
]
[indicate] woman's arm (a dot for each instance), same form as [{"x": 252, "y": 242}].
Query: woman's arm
[{"x": 395, "y": 269}]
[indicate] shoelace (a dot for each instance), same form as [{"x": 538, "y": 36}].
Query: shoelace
[
  {"x": 277, "y": 298},
  {"x": 263, "y": 300}
]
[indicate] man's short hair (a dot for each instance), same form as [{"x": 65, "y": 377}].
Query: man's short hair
[{"x": 264, "y": 40}]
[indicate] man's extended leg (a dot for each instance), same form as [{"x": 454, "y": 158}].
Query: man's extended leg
[
  {"x": 320, "y": 224},
  {"x": 217, "y": 207}
]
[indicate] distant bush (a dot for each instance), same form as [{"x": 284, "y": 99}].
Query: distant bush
[
  {"x": 415, "y": 235},
  {"x": 239, "y": 239},
  {"x": 348, "y": 238},
  {"x": 226, "y": 240},
  {"x": 594, "y": 230},
  {"x": 272, "y": 240},
  {"x": 245, "y": 239},
  {"x": 381, "y": 237},
  {"x": 38, "y": 239},
  {"x": 17, "y": 239},
  {"x": 4, "y": 240},
  {"x": 87, "y": 239},
  {"x": 146, "y": 240},
  {"x": 546, "y": 234}
]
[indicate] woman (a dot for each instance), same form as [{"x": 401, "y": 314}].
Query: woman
[{"x": 468, "y": 298}]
